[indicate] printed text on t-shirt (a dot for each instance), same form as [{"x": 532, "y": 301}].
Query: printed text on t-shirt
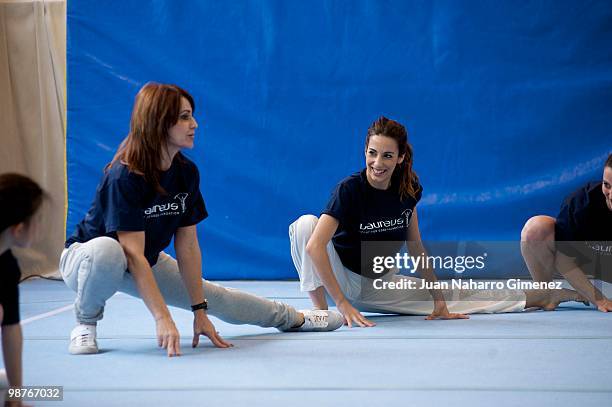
[
  {"x": 169, "y": 208},
  {"x": 387, "y": 224}
]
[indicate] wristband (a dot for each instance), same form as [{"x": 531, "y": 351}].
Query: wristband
[{"x": 203, "y": 305}]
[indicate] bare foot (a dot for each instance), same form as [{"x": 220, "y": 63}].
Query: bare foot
[{"x": 556, "y": 297}]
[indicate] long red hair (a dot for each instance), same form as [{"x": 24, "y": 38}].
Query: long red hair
[{"x": 156, "y": 109}]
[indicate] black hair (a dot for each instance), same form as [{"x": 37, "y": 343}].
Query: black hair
[{"x": 20, "y": 198}]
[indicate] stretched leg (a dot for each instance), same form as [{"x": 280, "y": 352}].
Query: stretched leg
[
  {"x": 468, "y": 301},
  {"x": 362, "y": 296},
  {"x": 227, "y": 304},
  {"x": 538, "y": 247},
  {"x": 408, "y": 299}
]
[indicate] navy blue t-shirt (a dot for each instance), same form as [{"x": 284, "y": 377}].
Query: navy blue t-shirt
[
  {"x": 125, "y": 202},
  {"x": 365, "y": 213},
  {"x": 584, "y": 218},
  {"x": 9, "y": 290}
]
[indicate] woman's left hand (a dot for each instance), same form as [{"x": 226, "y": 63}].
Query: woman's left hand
[
  {"x": 441, "y": 312},
  {"x": 203, "y": 326}
]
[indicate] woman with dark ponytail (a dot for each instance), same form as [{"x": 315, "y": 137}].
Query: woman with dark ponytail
[
  {"x": 407, "y": 179},
  {"x": 20, "y": 199},
  {"x": 378, "y": 205}
]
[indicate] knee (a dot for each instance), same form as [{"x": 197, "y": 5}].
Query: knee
[
  {"x": 302, "y": 228},
  {"x": 307, "y": 222},
  {"x": 107, "y": 253},
  {"x": 538, "y": 229}
]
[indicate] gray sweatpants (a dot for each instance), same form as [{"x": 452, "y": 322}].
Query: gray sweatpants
[
  {"x": 358, "y": 290},
  {"x": 97, "y": 269}
]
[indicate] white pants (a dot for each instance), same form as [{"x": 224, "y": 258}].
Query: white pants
[
  {"x": 404, "y": 301},
  {"x": 97, "y": 269}
]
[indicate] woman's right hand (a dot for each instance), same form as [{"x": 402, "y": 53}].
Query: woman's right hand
[
  {"x": 604, "y": 305},
  {"x": 168, "y": 336},
  {"x": 351, "y": 315}
]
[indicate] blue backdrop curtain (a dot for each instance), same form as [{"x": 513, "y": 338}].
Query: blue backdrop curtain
[{"x": 507, "y": 103}]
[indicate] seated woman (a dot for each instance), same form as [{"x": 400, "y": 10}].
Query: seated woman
[
  {"x": 150, "y": 193},
  {"x": 379, "y": 204},
  {"x": 577, "y": 242}
]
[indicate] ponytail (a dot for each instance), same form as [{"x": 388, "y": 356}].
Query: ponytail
[{"x": 409, "y": 180}]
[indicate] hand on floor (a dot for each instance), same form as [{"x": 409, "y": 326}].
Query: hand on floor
[
  {"x": 168, "y": 336},
  {"x": 604, "y": 305},
  {"x": 203, "y": 326},
  {"x": 351, "y": 315}
]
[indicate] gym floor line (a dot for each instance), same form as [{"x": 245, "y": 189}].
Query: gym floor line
[{"x": 532, "y": 358}]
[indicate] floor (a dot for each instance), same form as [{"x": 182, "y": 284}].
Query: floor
[{"x": 561, "y": 358}]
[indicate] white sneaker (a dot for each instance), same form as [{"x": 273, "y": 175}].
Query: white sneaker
[
  {"x": 83, "y": 340},
  {"x": 319, "y": 321}
]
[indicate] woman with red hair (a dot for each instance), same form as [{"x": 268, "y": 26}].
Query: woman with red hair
[{"x": 149, "y": 194}]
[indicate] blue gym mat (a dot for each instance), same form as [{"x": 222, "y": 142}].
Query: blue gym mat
[{"x": 529, "y": 359}]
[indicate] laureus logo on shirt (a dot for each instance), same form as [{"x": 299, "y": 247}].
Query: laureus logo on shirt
[
  {"x": 182, "y": 196},
  {"x": 386, "y": 225},
  {"x": 601, "y": 248},
  {"x": 169, "y": 208}
]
